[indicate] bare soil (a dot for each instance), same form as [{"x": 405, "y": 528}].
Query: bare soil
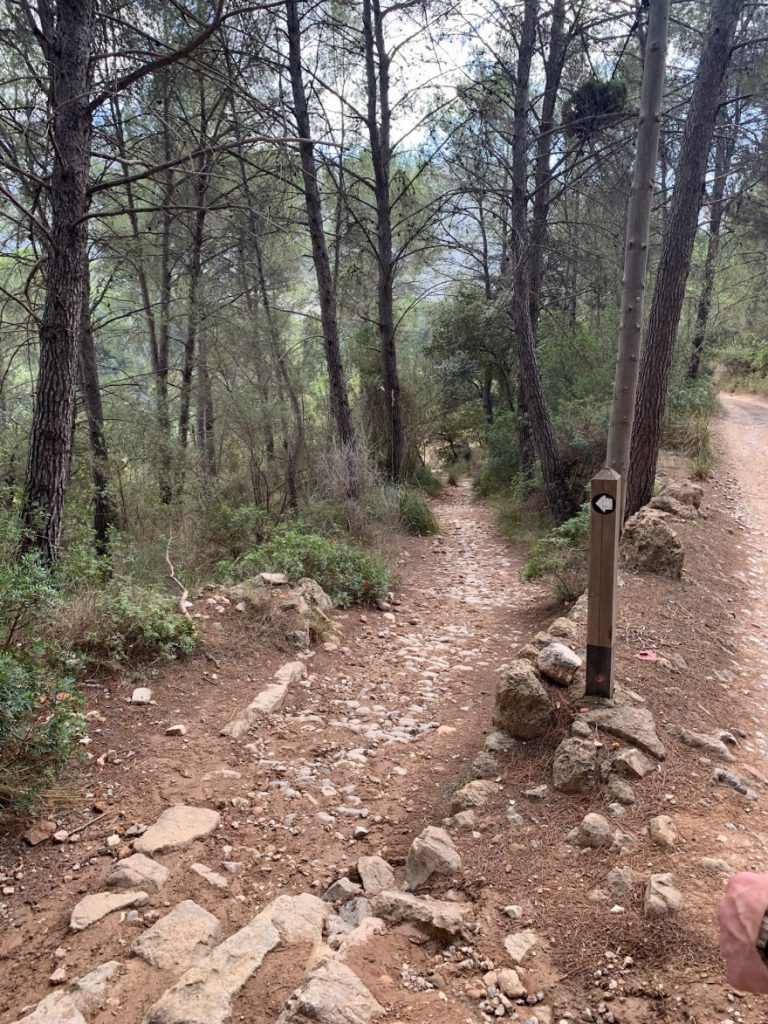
[{"x": 462, "y": 612}]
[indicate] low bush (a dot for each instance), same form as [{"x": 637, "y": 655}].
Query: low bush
[
  {"x": 415, "y": 515},
  {"x": 562, "y": 554},
  {"x": 40, "y": 726},
  {"x": 427, "y": 480},
  {"x": 347, "y": 575},
  {"x": 687, "y": 430},
  {"x": 124, "y": 622},
  {"x": 500, "y": 465},
  {"x": 233, "y": 531}
]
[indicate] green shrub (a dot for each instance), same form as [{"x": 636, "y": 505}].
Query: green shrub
[
  {"x": 687, "y": 430},
  {"x": 348, "y": 575},
  {"x": 40, "y": 726},
  {"x": 500, "y": 464},
  {"x": 562, "y": 554},
  {"x": 124, "y": 622},
  {"x": 27, "y": 593},
  {"x": 233, "y": 531},
  {"x": 427, "y": 480},
  {"x": 415, "y": 515}
]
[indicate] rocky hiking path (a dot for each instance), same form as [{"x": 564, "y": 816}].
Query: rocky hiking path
[{"x": 342, "y": 837}]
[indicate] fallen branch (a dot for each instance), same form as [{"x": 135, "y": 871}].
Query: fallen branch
[{"x": 184, "y": 599}]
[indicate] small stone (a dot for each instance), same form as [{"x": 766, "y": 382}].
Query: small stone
[
  {"x": 342, "y": 890},
  {"x": 485, "y": 766},
  {"x": 620, "y": 881},
  {"x": 137, "y": 872},
  {"x": 518, "y": 946},
  {"x": 712, "y": 746},
  {"x": 141, "y": 695},
  {"x": 176, "y": 730},
  {"x": 61, "y": 836},
  {"x": 581, "y": 729},
  {"x": 594, "y": 831},
  {"x": 575, "y": 766},
  {"x": 508, "y": 982},
  {"x": 39, "y": 832},
  {"x": 649, "y": 544},
  {"x": 498, "y": 742},
  {"x": 661, "y": 898},
  {"x": 663, "y": 831},
  {"x": 176, "y": 829},
  {"x": 634, "y": 725},
  {"x": 716, "y": 866},
  {"x": 514, "y": 911},
  {"x": 432, "y": 852},
  {"x": 620, "y": 791},
  {"x": 212, "y": 877},
  {"x": 538, "y": 793},
  {"x": 558, "y": 663},
  {"x": 631, "y": 763},
  {"x": 59, "y": 976},
  {"x": 722, "y": 777},
  {"x": 473, "y": 795},
  {"x": 375, "y": 874},
  {"x": 331, "y": 994},
  {"x": 93, "y": 908}
]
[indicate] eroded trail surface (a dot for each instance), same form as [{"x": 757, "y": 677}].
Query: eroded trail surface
[{"x": 356, "y": 762}]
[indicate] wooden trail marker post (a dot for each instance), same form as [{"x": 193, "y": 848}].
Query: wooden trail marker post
[{"x": 604, "y": 532}]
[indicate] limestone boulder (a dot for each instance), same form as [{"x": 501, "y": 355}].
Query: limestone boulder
[
  {"x": 649, "y": 544},
  {"x": 663, "y": 832},
  {"x": 687, "y": 492},
  {"x": 375, "y": 874},
  {"x": 523, "y": 709},
  {"x": 431, "y": 853}
]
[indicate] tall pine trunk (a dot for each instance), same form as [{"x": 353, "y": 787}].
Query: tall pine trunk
[
  {"x": 677, "y": 247},
  {"x": 559, "y": 498},
  {"x": 337, "y": 384},
  {"x": 50, "y": 449},
  {"x": 636, "y": 244}
]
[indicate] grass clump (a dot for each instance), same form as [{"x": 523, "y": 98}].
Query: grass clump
[
  {"x": 40, "y": 725},
  {"x": 346, "y": 574},
  {"x": 562, "y": 554},
  {"x": 415, "y": 515},
  {"x": 687, "y": 426}
]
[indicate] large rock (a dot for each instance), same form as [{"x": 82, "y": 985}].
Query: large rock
[
  {"x": 661, "y": 897},
  {"x": 431, "y": 853},
  {"x": 375, "y": 874},
  {"x": 619, "y": 791},
  {"x": 634, "y": 725},
  {"x": 649, "y": 544},
  {"x": 176, "y": 829},
  {"x": 205, "y": 993},
  {"x": 137, "y": 872},
  {"x": 558, "y": 663},
  {"x": 97, "y": 905},
  {"x": 180, "y": 939},
  {"x": 314, "y": 595},
  {"x": 331, "y": 994},
  {"x": 712, "y": 746},
  {"x": 687, "y": 492},
  {"x": 473, "y": 795},
  {"x": 440, "y": 915},
  {"x": 575, "y": 766},
  {"x": 78, "y": 1005},
  {"x": 523, "y": 708},
  {"x": 566, "y": 628},
  {"x": 673, "y": 507}
]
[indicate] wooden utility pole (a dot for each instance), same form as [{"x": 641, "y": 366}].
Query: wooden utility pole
[
  {"x": 636, "y": 247},
  {"x": 609, "y": 486}
]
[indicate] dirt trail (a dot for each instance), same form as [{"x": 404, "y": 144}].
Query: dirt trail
[{"x": 390, "y": 715}]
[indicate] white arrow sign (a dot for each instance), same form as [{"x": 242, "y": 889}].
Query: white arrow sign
[{"x": 604, "y": 503}]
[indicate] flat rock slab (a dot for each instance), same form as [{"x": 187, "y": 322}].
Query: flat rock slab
[
  {"x": 440, "y": 915},
  {"x": 72, "y": 1007},
  {"x": 518, "y": 946},
  {"x": 176, "y": 829},
  {"x": 209, "y": 875},
  {"x": 713, "y": 746},
  {"x": 204, "y": 994},
  {"x": 93, "y": 908},
  {"x": 269, "y": 700},
  {"x": 180, "y": 939},
  {"x": 635, "y": 725},
  {"x": 332, "y": 994},
  {"x": 137, "y": 872}
]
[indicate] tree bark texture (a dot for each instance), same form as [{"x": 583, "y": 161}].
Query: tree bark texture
[
  {"x": 559, "y": 498},
  {"x": 676, "y": 251},
  {"x": 104, "y": 511},
  {"x": 636, "y": 245},
  {"x": 378, "y": 122},
  {"x": 337, "y": 384},
  {"x": 724, "y": 147},
  {"x": 47, "y": 478}
]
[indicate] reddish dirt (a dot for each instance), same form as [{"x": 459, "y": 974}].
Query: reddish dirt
[{"x": 462, "y": 613}]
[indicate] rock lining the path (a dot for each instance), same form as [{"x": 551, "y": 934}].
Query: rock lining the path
[
  {"x": 269, "y": 700},
  {"x": 558, "y": 663},
  {"x": 523, "y": 708},
  {"x": 440, "y": 915},
  {"x": 180, "y": 939},
  {"x": 432, "y": 852},
  {"x": 331, "y": 994},
  {"x": 574, "y": 769},
  {"x": 661, "y": 897},
  {"x": 95, "y": 906},
  {"x": 76, "y": 1005},
  {"x": 633, "y": 725},
  {"x": 649, "y": 544},
  {"x": 137, "y": 872},
  {"x": 176, "y": 829},
  {"x": 712, "y": 745},
  {"x": 375, "y": 874}
]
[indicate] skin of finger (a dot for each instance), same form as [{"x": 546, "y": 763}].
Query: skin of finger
[{"x": 740, "y": 914}]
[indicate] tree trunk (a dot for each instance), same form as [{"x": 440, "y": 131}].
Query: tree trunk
[
  {"x": 50, "y": 448},
  {"x": 676, "y": 251},
  {"x": 104, "y": 511},
  {"x": 724, "y": 147},
  {"x": 559, "y": 498},
  {"x": 193, "y": 314},
  {"x": 378, "y": 122},
  {"x": 204, "y": 411},
  {"x": 337, "y": 383},
  {"x": 636, "y": 246}
]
